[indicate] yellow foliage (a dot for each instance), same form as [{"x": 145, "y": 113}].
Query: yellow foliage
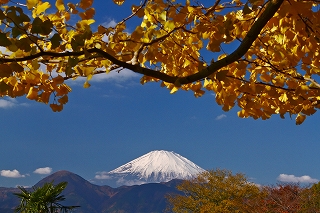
[
  {"x": 118, "y": 2},
  {"x": 271, "y": 68},
  {"x": 300, "y": 118},
  {"x": 84, "y": 4},
  {"x": 31, "y": 3},
  {"x": 41, "y": 8},
  {"x": 214, "y": 191},
  {"x": 33, "y": 93},
  {"x": 60, "y": 5},
  {"x": 88, "y": 14}
]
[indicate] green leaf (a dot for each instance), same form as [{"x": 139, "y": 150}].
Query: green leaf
[
  {"x": 221, "y": 74},
  {"x": 2, "y": 16},
  {"x": 246, "y": 9},
  {"x": 24, "y": 44},
  {"x": 77, "y": 42},
  {"x": 55, "y": 40},
  {"x": 40, "y": 27},
  {"x": 73, "y": 61},
  {"x": 69, "y": 71},
  {"x": 24, "y": 18},
  {"x": 36, "y": 25},
  {"x": 4, "y": 41},
  {"x": 16, "y": 32},
  {"x": 4, "y": 87}
]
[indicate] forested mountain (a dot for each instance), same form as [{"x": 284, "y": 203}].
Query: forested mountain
[{"x": 96, "y": 199}]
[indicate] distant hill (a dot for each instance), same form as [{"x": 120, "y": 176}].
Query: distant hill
[{"x": 146, "y": 198}]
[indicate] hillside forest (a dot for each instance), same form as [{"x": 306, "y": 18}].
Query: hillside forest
[{"x": 221, "y": 191}]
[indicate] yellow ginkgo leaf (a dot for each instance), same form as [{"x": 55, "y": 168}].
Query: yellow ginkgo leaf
[
  {"x": 4, "y": 1},
  {"x": 84, "y": 4},
  {"x": 31, "y": 3},
  {"x": 56, "y": 107},
  {"x": 283, "y": 97},
  {"x": 86, "y": 84},
  {"x": 119, "y": 2},
  {"x": 88, "y": 14},
  {"x": 42, "y": 7},
  {"x": 33, "y": 93},
  {"x": 174, "y": 90},
  {"x": 300, "y": 119},
  {"x": 60, "y": 5},
  {"x": 63, "y": 99}
]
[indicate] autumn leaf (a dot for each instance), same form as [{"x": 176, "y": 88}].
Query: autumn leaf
[
  {"x": 4, "y": 1},
  {"x": 221, "y": 75},
  {"x": 55, "y": 40},
  {"x": 60, "y": 5},
  {"x": 86, "y": 84},
  {"x": 88, "y": 14},
  {"x": 41, "y": 8},
  {"x": 63, "y": 100},
  {"x": 272, "y": 67},
  {"x": 5, "y": 70},
  {"x": 119, "y": 2},
  {"x": 84, "y": 4},
  {"x": 300, "y": 119},
  {"x": 33, "y": 93},
  {"x": 56, "y": 107},
  {"x": 31, "y": 3}
]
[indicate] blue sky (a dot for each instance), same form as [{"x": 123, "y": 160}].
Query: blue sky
[{"x": 117, "y": 119}]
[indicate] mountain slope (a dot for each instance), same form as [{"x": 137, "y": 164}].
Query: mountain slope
[
  {"x": 101, "y": 199},
  {"x": 80, "y": 192},
  {"x": 153, "y": 167},
  {"x": 145, "y": 198}
]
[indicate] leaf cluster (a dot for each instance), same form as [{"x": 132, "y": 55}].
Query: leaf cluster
[{"x": 42, "y": 199}]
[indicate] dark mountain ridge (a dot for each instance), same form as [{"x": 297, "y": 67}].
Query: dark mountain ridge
[{"x": 101, "y": 199}]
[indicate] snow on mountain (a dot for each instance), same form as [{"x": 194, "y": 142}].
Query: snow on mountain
[{"x": 153, "y": 167}]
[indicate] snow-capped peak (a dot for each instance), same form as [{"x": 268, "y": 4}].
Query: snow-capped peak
[{"x": 156, "y": 166}]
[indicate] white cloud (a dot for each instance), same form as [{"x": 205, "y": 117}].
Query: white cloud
[
  {"x": 43, "y": 171},
  {"x": 5, "y": 50},
  {"x": 294, "y": 179},
  {"x": 120, "y": 76},
  {"x": 219, "y": 117},
  {"x": 119, "y": 79},
  {"x": 11, "y": 174},
  {"x": 6, "y": 104},
  {"x": 125, "y": 182},
  {"x": 109, "y": 23},
  {"x": 26, "y": 186},
  {"x": 102, "y": 176},
  {"x": 10, "y": 102}
]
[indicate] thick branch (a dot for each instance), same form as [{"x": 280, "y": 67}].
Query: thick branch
[{"x": 251, "y": 36}]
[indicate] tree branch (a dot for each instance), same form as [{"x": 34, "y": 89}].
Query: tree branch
[{"x": 251, "y": 36}]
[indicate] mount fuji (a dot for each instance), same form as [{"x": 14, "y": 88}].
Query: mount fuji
[{"x": 153, "y": 167}]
